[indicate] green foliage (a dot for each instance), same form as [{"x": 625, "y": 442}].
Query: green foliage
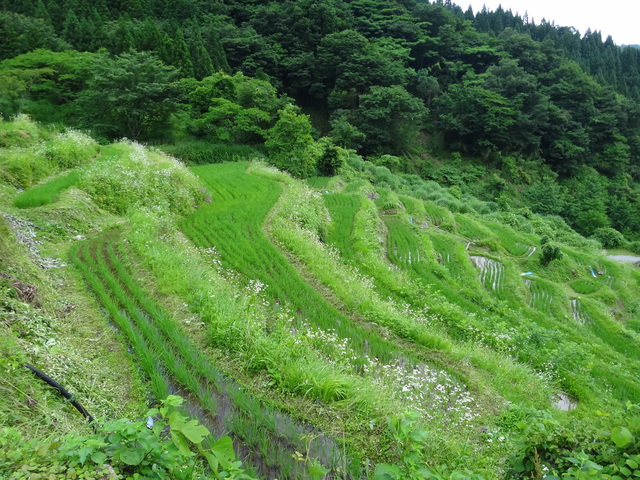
[
  {"x": 608, "y": 448},
  {"x": 390, "y": 118},
  {"x": 172, "y": 448},
  {"x": 289, "y": 143},
  {"x": 132, "y": 95},
  {"x": 44, "y": 84},
  {"x": 411, "y": 441},
  {"x": 202, "y": 152},
  {"x": 609, "y": 237},
  {"x": 550, "y": 252}
]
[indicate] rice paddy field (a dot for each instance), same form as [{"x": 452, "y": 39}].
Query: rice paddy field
[{"x": 331, "y": 329}]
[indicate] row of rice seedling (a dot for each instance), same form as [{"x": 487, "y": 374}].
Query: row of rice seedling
[
  {"x": 342, "y": 208},
  {"x": 513, "y": 242},
  {"x": 232, "y": 223},
  {"x": 46, "y": 193},
  {"x": 404, "y": 250},
  {"x": 437, "y": 215},
  {"x": 402, "y": 243},
  {"x": 263, "y": 435},
  {"x": 541, "y": 296},
  {"x": 492, "y": 272}
]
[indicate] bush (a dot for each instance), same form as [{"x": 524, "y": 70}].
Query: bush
[
  {"x": 202, "y": 153},
  {"x": 609, "y": 237},
  {"x": 71, "y": 149},
  {"x": 142, "y": 178},
  {"x": 549, "y": 252}
]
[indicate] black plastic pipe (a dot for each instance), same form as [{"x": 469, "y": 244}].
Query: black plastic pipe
[{"x": 46, "y": 378}]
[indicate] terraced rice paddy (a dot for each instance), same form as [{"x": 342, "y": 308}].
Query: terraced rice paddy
[
  {"x": 492, "y": 272},
  {"x": 579, "y": 315},
  {"x": 402, "y": 243},
  {"x": 46, "y": 193},
  {"x": 266, "y": 438},
  {"x": 541, "y": 296},
  {"x": 342, "y": 208},
  {"x": 232, "y": 223}
]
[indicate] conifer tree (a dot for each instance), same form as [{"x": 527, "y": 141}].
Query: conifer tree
[
  {"x": 123, "y": 39},
  {"x": 181, "y": 59},
  {"x": 71, "y": 29},
  {"x": 42, "y": 13},
  {"x": 202, "y": 65},
  {"x": 214, "y": 46}
]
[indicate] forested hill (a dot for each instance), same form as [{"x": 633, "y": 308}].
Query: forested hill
[{"x": 526, "y": 114}]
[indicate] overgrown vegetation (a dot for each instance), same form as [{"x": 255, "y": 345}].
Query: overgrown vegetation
[{"x": 432, "y": 303}]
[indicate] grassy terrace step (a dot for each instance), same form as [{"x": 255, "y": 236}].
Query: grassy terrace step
[
  {"x": 232, "y": 223},
  {"x": 546, "y": 306},
  {"x": 264, "y": 436},
  {"x": 404, "y": 250},
  {"x": 46, "y": 193}
]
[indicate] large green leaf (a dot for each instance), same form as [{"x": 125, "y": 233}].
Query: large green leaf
[
  {"x": 180, "y": 442},
  {"x": 132, "y": 456},
  {"x": 194, "y": 431},
  {"x": 621, "y": 436}
]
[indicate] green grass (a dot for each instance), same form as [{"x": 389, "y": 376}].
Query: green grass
[
  {"x": 232, "y": 223},
  {"x": 202, "y": 152},
  {"x": 585, "y": 286},
  {"x": 167, "y": 358},
  {"x": 47, "y": 193}
]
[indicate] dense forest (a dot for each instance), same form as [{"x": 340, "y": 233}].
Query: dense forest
[{"x": 527, "y": 114}]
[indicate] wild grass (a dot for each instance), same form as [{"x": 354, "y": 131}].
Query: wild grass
[
  {"x": 47, "y": 193},
  {"x": 233, "y": 224},
  {"x": 203, "y": 153},
  {"x": 137, "y": 177},
  {"x": 25, "y": 166},
  {"x": 167, "y": 357}
]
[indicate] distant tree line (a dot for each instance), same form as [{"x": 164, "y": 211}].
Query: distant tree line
[{"x": 537, "y": 104}]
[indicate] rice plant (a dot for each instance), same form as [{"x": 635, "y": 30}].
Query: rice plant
[
  {"x": 232, "y": 223},
  {"x": 168, "y": 359},
  {"x": 47, "y": 193},
  {"x": 342, "y": 208},
  {"x": 492, "y": 272}
]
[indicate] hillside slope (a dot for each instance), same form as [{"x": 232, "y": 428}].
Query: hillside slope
[{"x": 367, "y": 325}]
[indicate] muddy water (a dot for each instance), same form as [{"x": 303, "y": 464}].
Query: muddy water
[{"x": 267, "y": 446}]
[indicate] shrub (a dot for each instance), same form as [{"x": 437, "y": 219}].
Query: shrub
[
  {"x": 549, "y": 252},
  {"x": 71, "y": 149},
  {"x": 142, "y": 178},
  {"x": 609, "y": 237},
  {"x": 202, "y": 153}
]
